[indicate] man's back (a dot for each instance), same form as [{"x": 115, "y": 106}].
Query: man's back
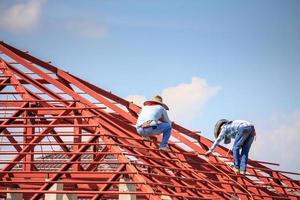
[
  {"x": 235, "y": 124},
  {"x": 153, "y": 112}
]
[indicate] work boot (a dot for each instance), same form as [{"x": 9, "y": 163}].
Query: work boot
[
  {"x": 243, "y": 172},
  {"x": 235, "y": 170},
  {"x": 166, "y": 148},
  {"x": 146, "y": 138}
]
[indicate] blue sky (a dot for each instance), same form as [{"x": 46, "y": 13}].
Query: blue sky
[{"x": 209, "y": 59}]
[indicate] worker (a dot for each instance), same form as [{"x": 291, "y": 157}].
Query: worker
[
  {"x": 243, "y": 133},
  {"x": 154, "y": 120}
]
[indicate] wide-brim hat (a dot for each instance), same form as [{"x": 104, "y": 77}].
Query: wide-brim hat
[
  {"x": 156, "y": 99},
  {"x": 218, "y": 126}
]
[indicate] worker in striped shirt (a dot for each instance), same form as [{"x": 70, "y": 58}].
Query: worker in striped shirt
[{"x": 243, "y": 133}]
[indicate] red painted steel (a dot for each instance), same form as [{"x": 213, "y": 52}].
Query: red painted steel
[{"x": 51, "y": 132}]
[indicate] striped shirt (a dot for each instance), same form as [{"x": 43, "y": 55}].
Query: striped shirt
[{"x": 229, "y": 130}]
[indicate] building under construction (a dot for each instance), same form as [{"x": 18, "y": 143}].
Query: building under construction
[{"x": 64, "y": 138}]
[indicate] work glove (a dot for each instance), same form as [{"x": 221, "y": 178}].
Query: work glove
[
  {"x": 146, "y": 124},
  {"x": 208, "y": 153}
]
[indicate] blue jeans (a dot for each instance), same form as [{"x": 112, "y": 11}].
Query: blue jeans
[
  {"x": 163, "y": 127},
  {"x": 243, "y": 140}
]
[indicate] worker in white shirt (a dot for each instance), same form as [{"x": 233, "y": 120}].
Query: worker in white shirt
[{"x": 153, "y": 120}]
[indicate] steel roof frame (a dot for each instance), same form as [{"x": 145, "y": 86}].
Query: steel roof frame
[{"x": 31, "y": 111}]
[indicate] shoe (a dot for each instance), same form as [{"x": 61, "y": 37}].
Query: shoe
[
  {"x": 243, "y": 172},
  {"x": 166, "y": 148},
  {"x": 236, "y": 170},
  {"x": 146, "y": 138}
]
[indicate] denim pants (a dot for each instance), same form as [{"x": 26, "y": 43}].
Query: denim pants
[
  {"x": 164, "y": 128},
  {"x": 243, "y": 140}
]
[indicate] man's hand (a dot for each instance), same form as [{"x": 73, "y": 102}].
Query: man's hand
[
  {"x": 208, "y": 153},
  {"x": 146, "y": 124}
]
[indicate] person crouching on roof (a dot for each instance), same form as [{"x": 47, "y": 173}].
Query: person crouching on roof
[
  {"x": 154, "y": 120},
  {"x": 243, "y": 133}
]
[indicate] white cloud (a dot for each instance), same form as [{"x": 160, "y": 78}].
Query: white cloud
[
  {"x": 185, "y": 100},
  {"x": 279, "y": 141},
  {"x": 22, "y": 16},
  {"x": 87, "y": 28},
  {"x": 137, "y": 99}
]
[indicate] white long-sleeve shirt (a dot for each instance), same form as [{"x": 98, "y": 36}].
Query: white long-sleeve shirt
[{"x": 154, "y": 113}]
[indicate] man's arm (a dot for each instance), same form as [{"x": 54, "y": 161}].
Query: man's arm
[
  {"x": 165, "y": 117},
  {"x": 217, "y": 142}
]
